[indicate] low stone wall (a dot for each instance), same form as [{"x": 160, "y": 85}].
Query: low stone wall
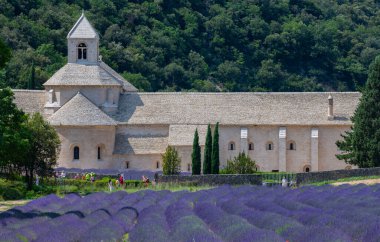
[
  {"x": 213, "y": 179},
  {"x": 305, "y": 178}
]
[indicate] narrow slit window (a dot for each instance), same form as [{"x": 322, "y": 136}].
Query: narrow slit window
[
  {"x": 76, "y": 153},
  {"x": 99, "y": 153}
]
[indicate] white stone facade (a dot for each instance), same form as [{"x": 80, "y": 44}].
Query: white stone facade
[{"x": 103, "y": 122}]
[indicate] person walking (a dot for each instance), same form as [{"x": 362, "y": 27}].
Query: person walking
[
  {"x": 110, "y": 185},
  {"x": 284, "y": 182}
]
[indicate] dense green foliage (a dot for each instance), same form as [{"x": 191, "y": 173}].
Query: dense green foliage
[
  {"x": 207, "y": 152},
  {"x": 214, "y": 45},
  {"x": 171, "y": 162},
  {"x": 28, "y": 145},
  {"x": 241, "y": 164},
  {"x": 361, "y": 145},
  {"x": 196, "y": 155},
  {"x": 215, "y": 151}
]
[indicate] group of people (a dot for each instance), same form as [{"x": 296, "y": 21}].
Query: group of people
[
  {"x": 89, "y": 176},
  {"x": 120, "y": 182}
]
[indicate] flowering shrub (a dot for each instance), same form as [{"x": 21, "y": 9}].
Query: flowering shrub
[{"x": 226, "y": 213}]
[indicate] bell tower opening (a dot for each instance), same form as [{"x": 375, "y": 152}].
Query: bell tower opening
[{"x": 82, "y": 51}]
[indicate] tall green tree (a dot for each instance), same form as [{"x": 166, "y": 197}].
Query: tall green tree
[
  {"x": 171, "y": 162},
  {"x": 196, "y": 155},
  {"x": 215, "y": 151},
  {"x": 360, "y": 145},
  {"x": 44, "y": 147},
  {"x": 208, "y": 152},
  {"x": 13, "y": 140}
]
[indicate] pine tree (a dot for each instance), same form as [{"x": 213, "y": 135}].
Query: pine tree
[
  {"x": 215, "y": 151},
  {"x": 196, "y": 155},
  {"x": 361, "y": 144},
  {"x": 208, "y": 150}
]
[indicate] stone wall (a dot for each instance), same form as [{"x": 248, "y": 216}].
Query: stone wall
[
  {"x": 305, "y": 178},
  {"x": 213, "y": 179}
]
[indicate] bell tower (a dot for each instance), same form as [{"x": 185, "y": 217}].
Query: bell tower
[{"x": 83, "y": 42}]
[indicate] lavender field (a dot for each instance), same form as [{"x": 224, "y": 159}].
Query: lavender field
[{"x": 227, "y": 213}]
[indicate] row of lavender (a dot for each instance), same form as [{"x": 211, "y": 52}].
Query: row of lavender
[{"x": 245, "y": 213}]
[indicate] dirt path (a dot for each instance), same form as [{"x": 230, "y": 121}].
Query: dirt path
[
  {"x": 367, "y": 182},
  {"x": 5, "y": 205}
]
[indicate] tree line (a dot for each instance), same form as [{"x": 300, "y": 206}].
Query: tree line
[{"x": 188, "y": 45}]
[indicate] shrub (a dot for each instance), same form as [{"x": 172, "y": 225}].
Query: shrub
[
  {"x": 241, "y": 164},
  {"x": 171, "y": 161},
  {"x": 12, "y": 194}
]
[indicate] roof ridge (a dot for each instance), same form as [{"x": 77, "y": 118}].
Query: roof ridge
[{"x": 241, "y": 93}]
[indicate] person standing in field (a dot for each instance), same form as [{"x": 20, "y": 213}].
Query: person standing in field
[
  {"x": 284, "y": 182},
  {"x": 110, "y": 185}
]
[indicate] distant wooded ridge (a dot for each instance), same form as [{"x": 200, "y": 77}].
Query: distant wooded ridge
[{"x": 192, "y": 45}]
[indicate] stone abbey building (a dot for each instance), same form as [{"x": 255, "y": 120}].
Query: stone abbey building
[{"x": 104, "y": 122}]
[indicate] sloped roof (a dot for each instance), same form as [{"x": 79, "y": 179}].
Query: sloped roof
[
  {"x": 126, "y": 85},
  {"x": 184, "y": 134},
  {"x": 85, "y": 74},
  {"x": 82, "y": 29},
  {"x": 30, "y": 101},
  {"x": 80, "y": 111},
  {"x": 126, "y": 144},
  {"x": 300, "y": 108}
]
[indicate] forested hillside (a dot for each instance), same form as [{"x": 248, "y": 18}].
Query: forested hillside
[{"x": 201, "y": 45}]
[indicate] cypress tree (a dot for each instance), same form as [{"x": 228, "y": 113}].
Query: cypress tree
[
  {"x": 196, "y": 155},
  {"x": 215, "y": 151},
  {"x": 208, "y": 150},
  {"x": 32, "y": 80},
  {"x": 361, "y": 144}
]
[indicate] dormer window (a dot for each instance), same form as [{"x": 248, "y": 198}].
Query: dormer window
[{"x": 82, "y": 51}]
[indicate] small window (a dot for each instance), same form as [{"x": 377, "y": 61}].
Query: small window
[
  {"x": 157, "y": 165},
  {"x": 274, "y": 170},
  {"x": 99, "y": 151},
  {"x": 188, "y": 167},
  {"x": 250, "y": 146},
  {"x": 257, "y": 168},
  {"x": 76, "y": 153},
  {"x": 127, "y": 165},
  {"x": 291, "y": 145},
  {"x": 306, "y": 169},
  {"x": 82, "y": 51},
  {"x": 231, "y": 146},
  {"x": 269, "y": 146}
]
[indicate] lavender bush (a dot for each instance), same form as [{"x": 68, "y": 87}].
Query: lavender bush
[{"x": 226, "y": 213}]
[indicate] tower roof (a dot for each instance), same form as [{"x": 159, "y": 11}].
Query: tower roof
[{"x": 82, "y": 29}]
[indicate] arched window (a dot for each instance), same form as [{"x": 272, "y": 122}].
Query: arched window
[
  {"x": 250, "y": 146},
  {"x": 231, "y": 146},
  {"x": 269, "y": 146},
  {"x": 82, "y": 51},
  {"x": 76, "y": 153},
  {"x": 306, "y": 168},
  {"x": 99, "y": 153},
  {"x": 257, "y": 168},
  {"x": 188, "y": 167},
  {"x": 157, "y": 165},
  {"x": 291, "y": 145},
  {"x": 127, "y": 165}
]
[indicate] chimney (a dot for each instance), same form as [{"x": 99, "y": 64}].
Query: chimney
[{"x": 331, "y": 108}]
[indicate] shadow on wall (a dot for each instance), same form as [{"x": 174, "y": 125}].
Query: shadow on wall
[{"x": 127, "y": 106}]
